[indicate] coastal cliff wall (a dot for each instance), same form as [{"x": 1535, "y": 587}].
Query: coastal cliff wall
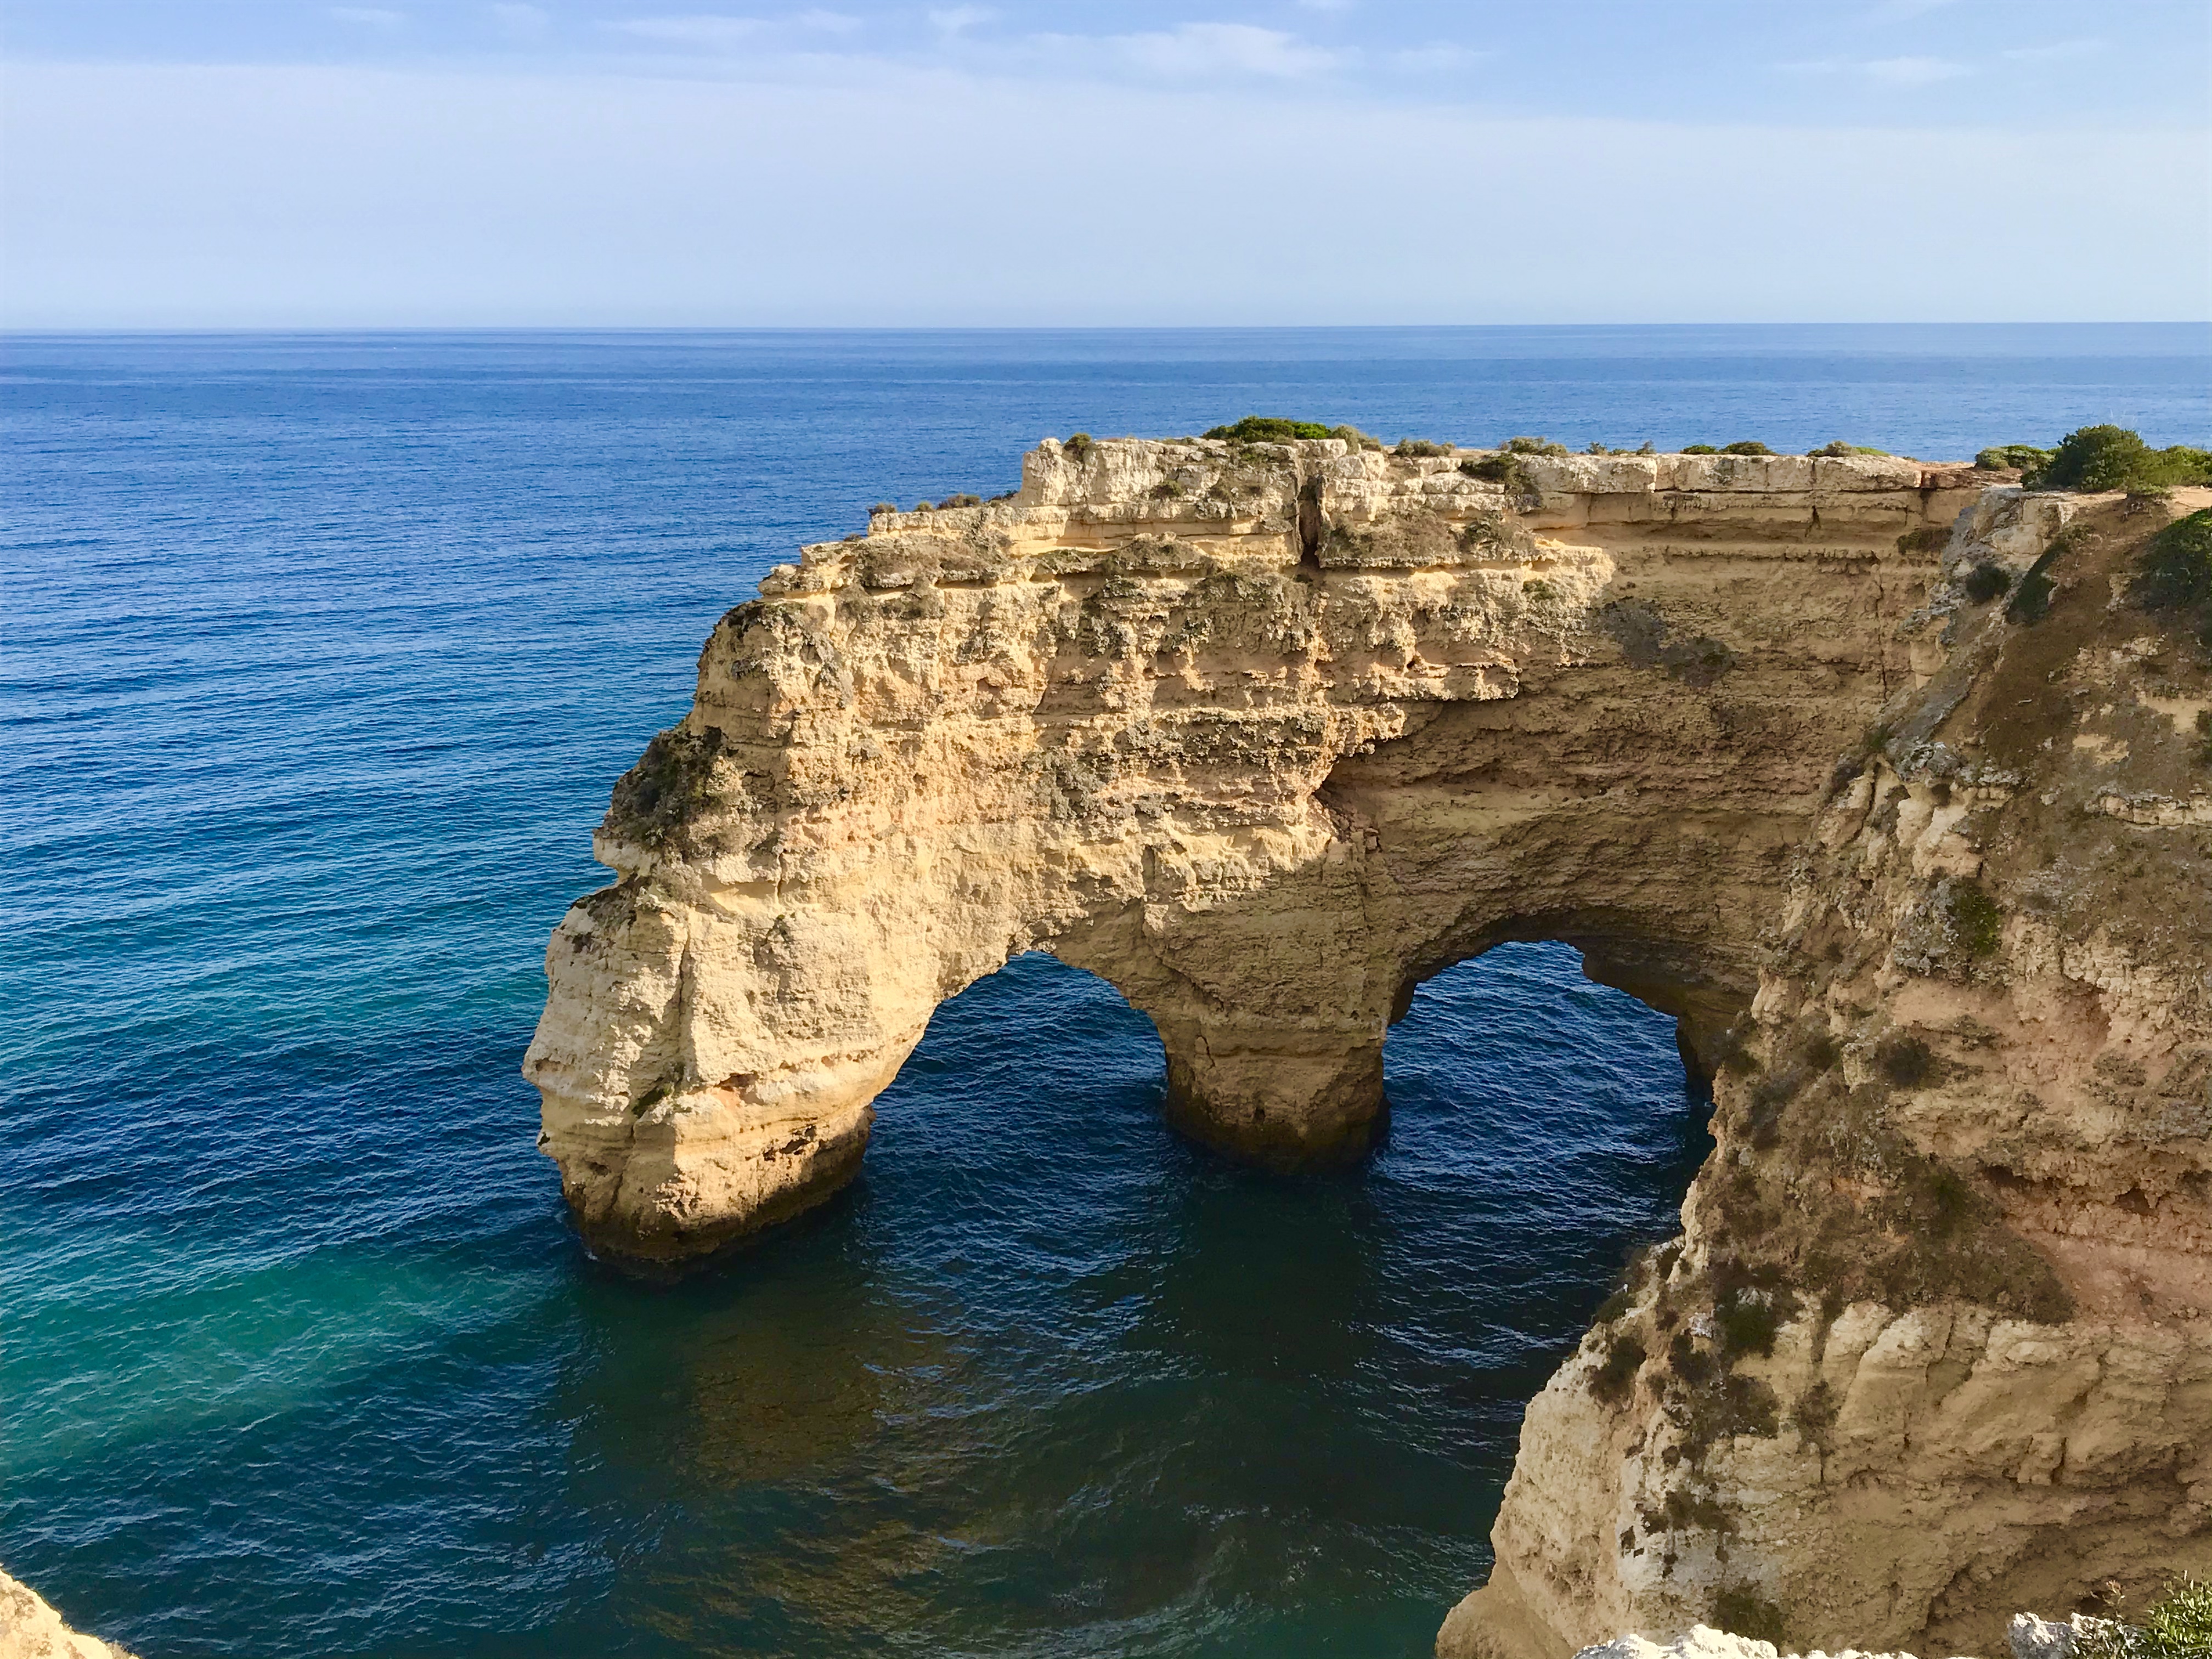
[
  {"x": 1936, "y": 1340},
  {"x": 1265, "y": 734}
]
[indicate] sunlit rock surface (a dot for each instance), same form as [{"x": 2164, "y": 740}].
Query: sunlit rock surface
[{"x": 30, "y": 1629}]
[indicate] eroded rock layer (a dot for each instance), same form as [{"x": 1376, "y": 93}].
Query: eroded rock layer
[{"x": 1264, "y": 735}]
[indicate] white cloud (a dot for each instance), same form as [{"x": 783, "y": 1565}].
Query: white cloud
[
  {"x": 715, "y": 31},
  {"x": 1896, "y": 11},
  {"x": 1885, "y": 71},
  {"x": 1438, "y": 56},
  {"x": 518, "y": 19},
  {"x": 1190, "y": 50},
  {"x": 2056, "y": 51},
  {"x": 956, "y": 20},
  {"x": 371, "y": 16},
  {"x": 1912, "y": 71},
  {"x": 1327, "y": 5},
  {"x": 713, "y": 34}
]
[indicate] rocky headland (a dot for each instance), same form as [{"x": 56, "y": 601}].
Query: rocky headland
[{"x": 1878, "y": 775}]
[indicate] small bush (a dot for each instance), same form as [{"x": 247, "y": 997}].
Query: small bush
[
  {"x": 1749, "y": 1327},
  {"x": 2094, "y": 459},
  {"x": 2175, "y": 570},
  {"x": 1167, "y": 490},
  {"x": 1746, "y": 446},
  {"x": 1611, "y": 1380},
  {"x": 882, "y": 506},
  {"x": 1907, "y": 1061},
  {"x": 1815, "y": 1413},
  {"x": 1987, "y": 581},
  {"x": 1354, "y": 437},
  {"x": 1975, "y": 917},
  {"x": 1839, "y": 448},
  {"x": 1270, "y": 429},
  {"x": 960, "y": 501},
  {"x": 1420, "y": 446},
  {"x": 2013, "y": 458},
  {"x": 1744, "y": 1612},
  {"x": 2176, "y": 1626},
  {"x": 1700, "y": 449},
  {"x": 2031, "y": 599},
  {"x": 1502, "y": 468},
  {"x": 1080, "y": 446},
  {"x": 1532, "y": 447}
]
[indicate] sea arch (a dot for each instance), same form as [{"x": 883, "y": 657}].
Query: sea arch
[{"x": 1261, "y": 735}]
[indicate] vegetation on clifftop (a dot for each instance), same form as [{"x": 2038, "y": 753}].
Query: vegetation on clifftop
[{"x": 2092, "y": 459}]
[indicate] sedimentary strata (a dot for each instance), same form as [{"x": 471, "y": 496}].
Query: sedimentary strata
[{"x": 1265, "y": 734}]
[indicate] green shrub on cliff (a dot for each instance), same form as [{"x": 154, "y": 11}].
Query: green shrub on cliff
[
  {"x": 2175, "y": 571},
  {"x": 2092, "y": 459},
  {"x": 1746, "y": 446},
  {"x": 2003, "y": 457},
  {"x": 1700, "y": 449},
  {"x": 1270, "y": 429},
  {"x": 1420, "y": 446},
  {"x": 1532, "y": 447},
  {"x": 2178, "y": 1626},
  {"x": 1744, "y": 1612}
]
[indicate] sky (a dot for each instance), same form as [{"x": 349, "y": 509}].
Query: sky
[{"x": 603, "y": 163}]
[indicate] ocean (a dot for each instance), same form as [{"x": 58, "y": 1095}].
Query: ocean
[{"x": 321, "y": 653}]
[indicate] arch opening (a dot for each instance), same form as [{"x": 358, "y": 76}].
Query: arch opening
[{"x": 1189, "y": 1397}]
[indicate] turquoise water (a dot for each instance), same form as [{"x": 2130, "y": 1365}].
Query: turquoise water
[{"x": 321, "y": 655}]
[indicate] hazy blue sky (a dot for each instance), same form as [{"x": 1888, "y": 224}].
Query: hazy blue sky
[{"x": 273, "y": 162}]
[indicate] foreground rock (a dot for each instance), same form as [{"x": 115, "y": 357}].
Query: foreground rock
[
  {"x": 30, "y": 1629},
  {"x": 1265, "y": 735}
]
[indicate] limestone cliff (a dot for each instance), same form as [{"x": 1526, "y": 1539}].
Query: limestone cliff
[
  {"x": 1265, "y": 734},
  {"x": 1936, "y": 1341}
]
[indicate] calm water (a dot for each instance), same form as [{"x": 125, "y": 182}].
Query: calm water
[{"x": 321, "y": 653}]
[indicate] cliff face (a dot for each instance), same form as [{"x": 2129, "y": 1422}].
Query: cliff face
[
  {"x": 1265, "y": 734},
  {"x": 1936, "y": 1341}
]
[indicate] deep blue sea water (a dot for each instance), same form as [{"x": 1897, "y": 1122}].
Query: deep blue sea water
[{"x": 320, "y": 655}]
